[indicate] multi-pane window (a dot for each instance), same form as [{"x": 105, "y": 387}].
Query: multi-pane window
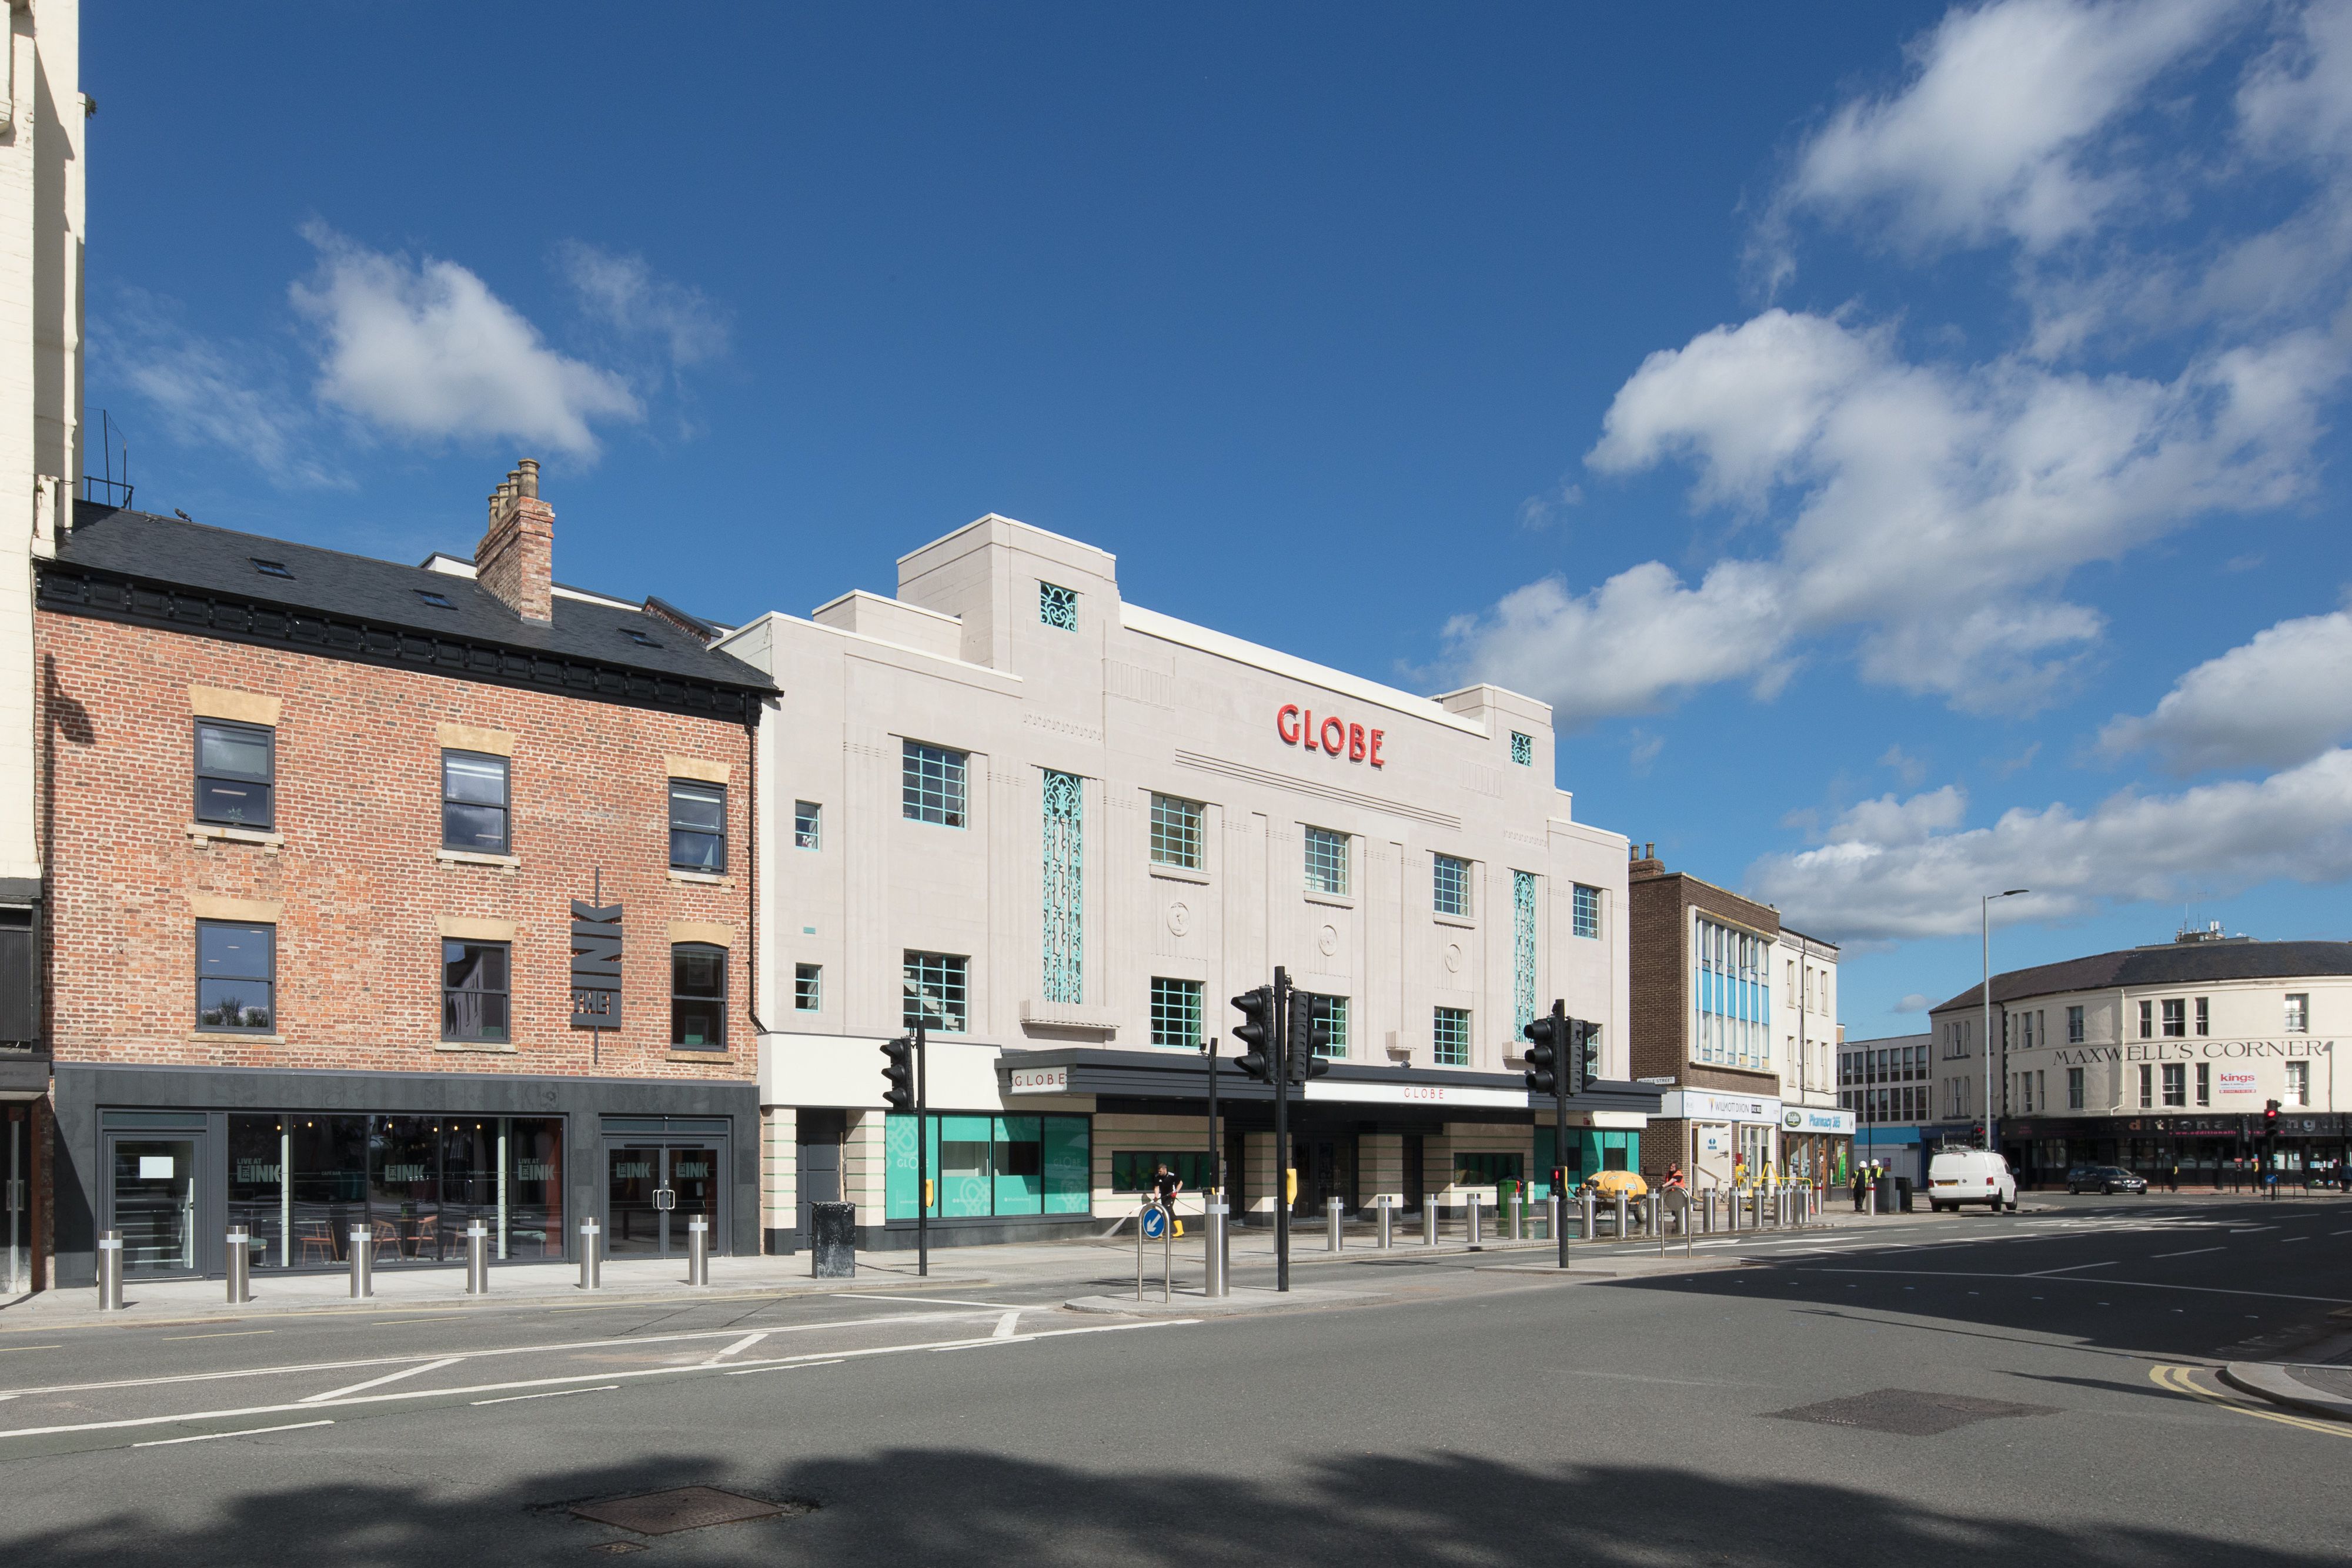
[
  {"x": 2298, "y": 1012},
  {"x": 808, "y": 987},
  {"x": 2204, "y": 1015},
  {"x": 934, "y": 986},
  {"x": 808, "y": 825},
  {"x": 2176, "y": 1083},
  {"x": 1452, "y": 890},
  {"x": 2147, "y": 1021},
  {"x": 2204, "y": 1083},
  {"x": 698, "y": 997},
  {"x": 1327, "y": 861},
  {"x": 2298, "y": 1084},
  {"x": 237, "y": 975},
  {"x": 1732, "y": 996},
  {"x": 1449, "y": 1036},
  {"x": 2074, "y": 1089},
  {"x": 475, "y": 806},
  {"x": 2074, "y": 1026},
  {"x": 697, "y": 826},
  {"x": 1585, "y": 911},
  {"x": 236, "y": 774},
  {"x": 477, "y": 991},
  {"x": 1176, "y": 1012},
  {"x": 1335, "y": 1024},
  {"x": 2146, "y": 1087},
  {"x": 1057, "y": 606},
  {"x": 931, "y": 780},
  {"x": 1176, "y": 832},
  {"x": 2175, "y": 1019},
  {"x": 1523, "y": 749}
]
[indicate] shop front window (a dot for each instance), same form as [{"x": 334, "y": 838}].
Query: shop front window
[{"x": 984, "y": 1166}]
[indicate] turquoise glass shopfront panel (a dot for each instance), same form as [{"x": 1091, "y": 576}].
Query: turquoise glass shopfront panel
[
  {"x": 1020, "y": 1166},
  {"x": 898, "y": 1166},
  {"x": 1069, "y": 1164},
  {"x": 967, "y": 1167}
]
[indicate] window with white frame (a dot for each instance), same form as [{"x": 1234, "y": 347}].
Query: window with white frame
[
  {"x": 808, "y": 825},
  {"x": 1585, "y": 911},
  {"x": 1176, "y": 832},
  {"x": 2298, "y": 1085},
  {"x": 1732, "y": 995},
  {"x": 2075, "y": 1027},
  {"x": 808, "y": 987},
  {"x": 1451, "y": 893},
  {"x": 2074, "y": 1089},
  {"x": 2298, "y": 1012},
  {"x": 1327, "y": 861}
]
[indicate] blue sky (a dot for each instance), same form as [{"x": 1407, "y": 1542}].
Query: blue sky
[{"x": 1904, "y": 441}]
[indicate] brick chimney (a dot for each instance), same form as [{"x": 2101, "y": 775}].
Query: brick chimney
[{"x": 516, "y": 560}]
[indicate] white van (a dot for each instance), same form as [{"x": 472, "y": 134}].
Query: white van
[{"x": 1970, "y": 1176}]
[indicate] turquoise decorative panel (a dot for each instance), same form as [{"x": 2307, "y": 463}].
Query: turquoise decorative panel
[
  {"x": 1523, "y": 947},
  {"x": 1065, "y": 890}
]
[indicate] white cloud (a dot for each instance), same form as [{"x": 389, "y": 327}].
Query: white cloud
[
  {"x": 1933, "y": 509},
  {"x": 2296, "y": 100},
  {"x": 425, "y": 349},
  {"x": 211, "y": 395},
  {"x": 1994, "y": 134},
  {"x": 1915, "y": 1002},
  {"x": 1909, "y": 768},
  {"x": 1888, "y": 820},
  {"x": 2131, "y": 848},
  {"x": 622, "y": 292},
  {"x": 2278, "y": 700},
  {"x": 1643, "y": 751}
]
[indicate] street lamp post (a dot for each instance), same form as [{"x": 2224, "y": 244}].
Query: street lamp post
[{"x": 1991, "y": 1147}]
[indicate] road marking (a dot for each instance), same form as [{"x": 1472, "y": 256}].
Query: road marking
[
  {"x": 12, "y": 1350},
  {"x": 2127, "y": 1284},
  {"x": 2069, "y": 1268},
  {"x": 2250, "y": 1229},
  {"x": 2192, "y": 1252},
  {"x": 551, "y": 1394},
  {"x": 577, "y": 1378},
  {"x": 2180, "y": 1380},
  {"x": 224, "y": 1334},
  {"x": 746, "y": 1343},
  {"x": 1005, "y": 1325},
  {"x": 794, "y": 1367},
  {"x": 215, "y": 1436},
  {"x": 436, "y": 1318},
  {"x": 2284, "y": 1240},
  {"x": 380, "y": 1382},
  {"x": 925, "y": 1300}
]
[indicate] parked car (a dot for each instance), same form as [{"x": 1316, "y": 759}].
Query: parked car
[
  {"x": 1608, "y": 1184},
  {"x": 2109, "y": 1179},
  {"x": 1970, "y": 1176}
]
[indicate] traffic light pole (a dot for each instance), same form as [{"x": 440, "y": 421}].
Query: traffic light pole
[
  {"x": 1216, "y": 1166},
  {"x": 1283, "y": 1172},
  {"x": 1560, "y": 1160},
  {"x": 922, "y": 1151}
]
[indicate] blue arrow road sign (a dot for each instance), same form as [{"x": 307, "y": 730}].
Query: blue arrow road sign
[{"x": 1155, "y": 1223}]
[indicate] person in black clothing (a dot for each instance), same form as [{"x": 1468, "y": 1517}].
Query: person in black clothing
[
  {"x": 1165, "y": 1186},
  {"x": 1859, "y": 1185}
]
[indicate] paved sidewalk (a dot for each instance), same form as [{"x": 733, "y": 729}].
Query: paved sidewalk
[{"x": 2313, "y": 1390}]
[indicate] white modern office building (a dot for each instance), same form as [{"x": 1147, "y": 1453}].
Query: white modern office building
[{"x": 1066, "y": 828}]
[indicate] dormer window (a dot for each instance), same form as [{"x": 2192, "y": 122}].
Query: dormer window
[
  {"x": 269, "y": 568},
  {"x": 639, "y": 637}
]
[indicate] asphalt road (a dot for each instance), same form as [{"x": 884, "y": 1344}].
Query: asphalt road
[{"x": 2019, "y": 1389}]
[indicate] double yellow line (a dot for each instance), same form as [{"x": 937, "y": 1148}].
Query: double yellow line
[{"x": 2181, "y": 1380}]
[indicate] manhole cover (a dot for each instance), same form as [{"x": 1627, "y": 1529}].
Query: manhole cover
[
  {"x": 1909, "y": 1413},
  {"x": 683, "y": 1508}
]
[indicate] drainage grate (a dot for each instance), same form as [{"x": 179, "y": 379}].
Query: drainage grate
[
  {"x": 1909, "y": 1413},
  {"x": 683, "y": 1508}
]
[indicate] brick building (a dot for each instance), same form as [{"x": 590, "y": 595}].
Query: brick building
[
  {"x": 1746, "y": 1086},
  {"x": 337, "y": 850}
]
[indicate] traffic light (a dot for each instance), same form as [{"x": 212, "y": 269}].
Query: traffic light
[
  {"x": 1543, "y": 1055},
  {"x": 2270, "y": 1119},
  {"x": 899, "y": 1071},
  {"x": 1256, "y": 1007},
  {"x": 1310, "y": 1031},
  {"x": 1583, "y": 1064}
]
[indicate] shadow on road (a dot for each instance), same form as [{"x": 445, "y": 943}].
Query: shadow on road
[{"x": 954, "y": 1506}]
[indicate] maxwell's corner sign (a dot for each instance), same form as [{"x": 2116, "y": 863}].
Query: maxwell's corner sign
[
  {"x": 1038, "y": 1080},
  {"x": 1299, "y": 726}
]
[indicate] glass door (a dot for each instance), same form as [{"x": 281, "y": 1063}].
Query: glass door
[
  {"x": 633, "y": 1213},
  {"x": 694, "y": 1195},
  {"x": 155, "y": 1204}
]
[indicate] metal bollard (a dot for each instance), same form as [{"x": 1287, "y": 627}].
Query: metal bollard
[
  {"x": 1332, "y": 1220},
  {"x": 1585, "y": 1217},
  {"x": 1619, "y": 1230},
  {"x": 1388, "y": 1222},
  {"x": 110, "y": 1272},
  {"x": 478, "y": 1259},
  {"x": 1428, "y": 1219},
  {"x": 1552, "y": 1217},
  {"x": 1217, "y": 1277},
  {"x": 698, "y": 1251},
  {"x": 1650, "y": 1214},
  {"x": 1473, "y": 1229},
  {"x": 362, "y": 1260},
  {"x": 1518, "y": 1217},
  {"x": 592, "y": 1260},
  {"x": 240, "y": 1266}
]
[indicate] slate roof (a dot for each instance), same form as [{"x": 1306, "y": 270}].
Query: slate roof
[
  {"x": 169, "y": 552},
  {"x": 2175, "y": 964}
]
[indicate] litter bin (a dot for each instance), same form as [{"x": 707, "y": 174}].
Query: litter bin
[{"x": 832, "y": 1240}]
